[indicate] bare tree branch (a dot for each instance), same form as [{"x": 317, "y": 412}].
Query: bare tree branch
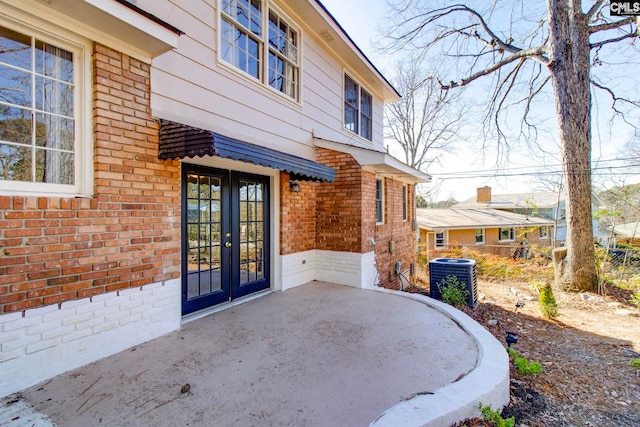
[
  {"x": 612, "y": 25},
  {"x": 615, "y": 40},
  {"x": 595, "y": 8}
]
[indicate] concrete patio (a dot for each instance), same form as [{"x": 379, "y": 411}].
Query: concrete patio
[{"x": 317, "y": 355}]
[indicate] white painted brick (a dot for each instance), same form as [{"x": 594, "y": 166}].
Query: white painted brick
[
  {"x": 90, "y": 308},
  {"x": 76, "y": 335},
  {"x": 12, "y": 354},
  {"x": 13, "y": 340},
  {"x": 57, "y": 332},
  {"x": 104, "y": 297},
  {"x": 56, "y": 315},
  {"x": 42, "y": 327},
  {"x": 105, "y": 311},
  {"x": 21, "y": 323},
  {"x": 10, "y": 317},
  {"x": 131, "y": 319},
  {"x": 104, "y": 326},
  {"x": 130, "y": 292},
  {"x": 77, "y": 319},
  {"x": 140, "y": 309},
  {"x": 75, "y": 304},
  {"x": 42, "y": 345},
  {"x": 91, "y": 339},
  {"x": 89, "y": 324},
  {"x": 20, "y": 341},
  {"x": 34, "y": 312},
  {"x": 116, "y": 317}
]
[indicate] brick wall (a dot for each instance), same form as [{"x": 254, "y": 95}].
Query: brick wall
[
  {"x": 346, "y": 216},
  {"x": 397, "y": 230},
  {"x": 127, "y": 235},
  {"x": 340, "y": 204},
  {"x": 297, "y": 216}
]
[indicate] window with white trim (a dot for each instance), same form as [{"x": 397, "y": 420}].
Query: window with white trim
[
  {"x": 244, "y": 43},
  {"x": 405, "y": 203},
  {"x": 40, "y": 117},
  {"x": 358, "y": 109},
  {"x": 379, "y": 201},
  {"x": 544, "y": 232},
  {"x": 440, "y": 240},
  {"x": 507, "y": 234},
  {"x": 479, "y": 236}
]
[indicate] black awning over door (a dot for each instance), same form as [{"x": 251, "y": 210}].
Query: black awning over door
[{"x": 178, "y": 141}]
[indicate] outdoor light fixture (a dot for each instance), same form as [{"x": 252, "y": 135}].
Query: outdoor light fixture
[
  {"x": 294, "y": 187},
  {"x": 511, "y": 338}
]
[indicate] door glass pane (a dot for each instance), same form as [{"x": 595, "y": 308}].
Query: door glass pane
[
  {"x": 204, "y": 233},
  {"x": 251, "y": 231}
]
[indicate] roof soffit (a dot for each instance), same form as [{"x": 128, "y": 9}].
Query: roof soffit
[{"x": 106, "y": 21}]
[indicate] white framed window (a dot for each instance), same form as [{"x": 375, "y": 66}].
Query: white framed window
[
  {"x": 43, "y": 145},
  {"x": 248, "y": 35},
  {"x": 379, "y": 201},
  {"x": 405, "y": 203},
  {"x": 507, "y": 234},
  {"x": 479, "y": 236},
  {"x": 544, "y": 232},
  {"x": 440, "y": 239},
  {"x": 358, "y": 109}
]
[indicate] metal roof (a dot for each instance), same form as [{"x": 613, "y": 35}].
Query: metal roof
[
  {"x": 541, "y": 200},
  {"x": 178, "y": 141},
  {"x": 475, "y": 218}
]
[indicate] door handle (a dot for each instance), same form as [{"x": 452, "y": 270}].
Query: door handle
[{"x": 228, "y": 244}]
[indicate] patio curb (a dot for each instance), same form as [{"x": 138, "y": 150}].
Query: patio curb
[{"x": 487, "y": 383}]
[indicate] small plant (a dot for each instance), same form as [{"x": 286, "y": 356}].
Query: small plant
[
  {"x": 525, "y": 367},
  {"x": 635, "y": 299},
  {"x": 635, "y": 363},
  {"x": 548, "y": 304},
  {"x": 453, "y": 291},
  {"x": 494, "y": 416}
]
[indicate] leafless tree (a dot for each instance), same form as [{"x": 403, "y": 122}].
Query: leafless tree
[
  {"x": 426, "y": 120},
  {"x": 522, "y": 46}
]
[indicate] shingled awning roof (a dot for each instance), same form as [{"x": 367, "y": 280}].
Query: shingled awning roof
[{"x": 178, "y": 141}]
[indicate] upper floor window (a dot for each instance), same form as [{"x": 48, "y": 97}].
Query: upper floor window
[
  {"x": 39, "y": 143},
  {"x": 379, "y": 201},
  {"x": 244, "y": 44},
  {"x": 358, "y": 109}
]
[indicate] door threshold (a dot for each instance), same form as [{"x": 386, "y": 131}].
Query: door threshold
[{"x": 223, "y": 306}]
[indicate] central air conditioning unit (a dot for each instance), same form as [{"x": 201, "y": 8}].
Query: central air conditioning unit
[{"x": 463, "y": 269}]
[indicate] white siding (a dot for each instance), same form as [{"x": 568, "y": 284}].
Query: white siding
[{"x": 190, "y": 85}]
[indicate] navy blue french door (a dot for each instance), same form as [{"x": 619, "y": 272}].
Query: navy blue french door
[{"x": 225, "y": 229}]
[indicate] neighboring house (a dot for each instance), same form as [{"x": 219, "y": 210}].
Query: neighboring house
[
  {"x": 483, "y": 230},
  {"x": 628, "y": 233},
  {"x": 548, "y": 205},
  {"x": 161, "y": 158}
]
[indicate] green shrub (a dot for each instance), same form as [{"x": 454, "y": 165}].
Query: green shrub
[
  {"x": 635, "y": 363},
  {"x": 492, "y": 415},
  {"x": 525, "y": 367},
  {"x": 547, "y": 302},
  {"x": 453, "y": 291}
]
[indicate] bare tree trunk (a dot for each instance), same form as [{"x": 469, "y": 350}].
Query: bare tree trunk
[{"x": 569, "y": 67}]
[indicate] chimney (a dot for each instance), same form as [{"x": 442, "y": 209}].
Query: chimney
[{"x": 484, "y": 195}]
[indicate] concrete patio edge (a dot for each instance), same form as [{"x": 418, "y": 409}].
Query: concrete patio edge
[{"x": 487, "y": 383}]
